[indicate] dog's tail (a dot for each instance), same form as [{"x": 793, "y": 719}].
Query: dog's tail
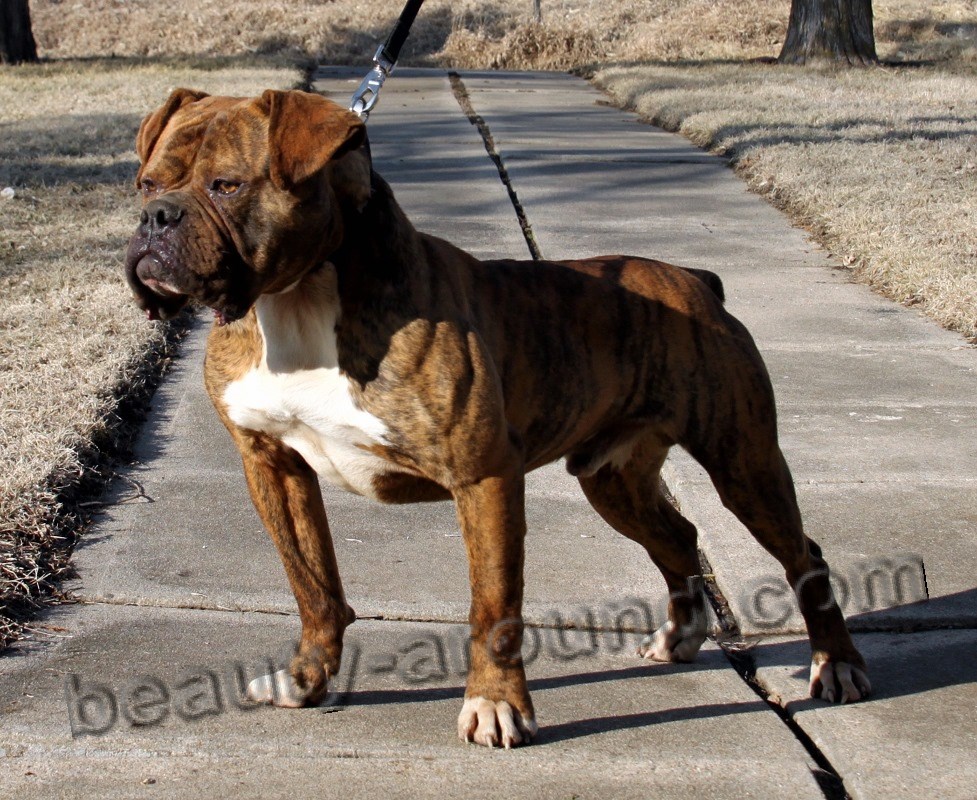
[{"x": 710, "y": 279}]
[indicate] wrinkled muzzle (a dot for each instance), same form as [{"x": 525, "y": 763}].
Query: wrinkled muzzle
[{"x": 176, "y": 255}]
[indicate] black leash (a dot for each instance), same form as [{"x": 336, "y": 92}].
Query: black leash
[{"x": 365, "y": 98}]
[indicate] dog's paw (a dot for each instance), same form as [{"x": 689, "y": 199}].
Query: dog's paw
[
  {"x": 278, "y": 689},
  {"x": 494, "y": 724},
  {"x": 838, "y": 681},
  {"x": 672, "y": 643}
]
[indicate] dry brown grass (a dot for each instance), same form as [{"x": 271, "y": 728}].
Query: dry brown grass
[
  {"x": 72, "y": 344},
  {"x": 880, "y": 163},
  {"x": 472, "y": 33}
]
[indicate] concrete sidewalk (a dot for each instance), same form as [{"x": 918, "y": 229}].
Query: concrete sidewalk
[{"x": 184, "y": 597}]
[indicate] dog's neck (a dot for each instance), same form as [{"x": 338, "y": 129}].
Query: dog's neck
[
  {"x": 379, "y": 243},
  {"x": 375, "y": 269}
]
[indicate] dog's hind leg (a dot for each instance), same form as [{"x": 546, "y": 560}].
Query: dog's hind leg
[
  {"x": 629, "y": 498},
  {"x": 754, "y": 482}
]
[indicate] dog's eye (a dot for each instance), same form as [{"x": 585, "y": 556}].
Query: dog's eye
[
  {"x": 224, "y": 187},
  {"x": 148, "y": 186}
]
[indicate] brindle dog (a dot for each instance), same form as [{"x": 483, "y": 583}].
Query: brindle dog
[{"x": 350, "y": 346}]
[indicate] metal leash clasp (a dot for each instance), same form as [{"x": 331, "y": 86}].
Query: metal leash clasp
[{"x": 366, "y": 96}]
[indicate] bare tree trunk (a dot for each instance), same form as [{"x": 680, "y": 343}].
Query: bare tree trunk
[
  {"x": 835, "y": 31},
  {"x": 537, "y": 12},
  {"x": 16, "y": 39}
]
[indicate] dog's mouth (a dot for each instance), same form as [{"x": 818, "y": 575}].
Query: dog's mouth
[
  {"x": 155, "y": 291},
  {"x": 146, "y": 268},
  {"x": 161, "y": 294}
]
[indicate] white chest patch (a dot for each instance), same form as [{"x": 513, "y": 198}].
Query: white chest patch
[{"x": 297, "y": 393}]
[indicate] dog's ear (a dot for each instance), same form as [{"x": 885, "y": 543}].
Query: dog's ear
[
  {"x": 306, "y": 132},
  {"x": 153, "y": 125}
]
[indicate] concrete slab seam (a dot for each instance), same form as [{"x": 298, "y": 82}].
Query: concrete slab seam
[
  {"x": 828, "y": 778},
  {"x": 737, "y": 652},
  {"x": 461, "y": 95}
]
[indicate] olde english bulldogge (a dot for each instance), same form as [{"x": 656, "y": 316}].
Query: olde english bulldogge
[{"x": 349, "y": 346}]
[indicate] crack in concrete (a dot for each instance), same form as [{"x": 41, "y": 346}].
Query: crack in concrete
[
  {"x": 464, "y": 100},
  {"x": 828, "y": 778},
  {"x": 570, "y": 624}
]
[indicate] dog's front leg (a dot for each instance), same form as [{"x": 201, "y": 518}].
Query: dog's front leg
[
  {"x": 286, "y": 494},
  {"x": 497, "y": 708}
]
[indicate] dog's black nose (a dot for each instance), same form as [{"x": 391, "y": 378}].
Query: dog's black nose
[{"x": 159, "y": 215}]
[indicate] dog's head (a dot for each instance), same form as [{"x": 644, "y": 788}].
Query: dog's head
[{"x": 241, "y": 197}]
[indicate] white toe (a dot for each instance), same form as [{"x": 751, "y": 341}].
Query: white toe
[
  {"x": 507, "y": 725},
  {"x": 527, "y": 727},
  {"x": 485, "y": 733},
  {"x": 279, "y": 689},
  {"x": 861, "y": 681},
  {"x": 671, "y": 643},
  {"x": 838, "y": 681},
  {"x": 494, "y": 724}
]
